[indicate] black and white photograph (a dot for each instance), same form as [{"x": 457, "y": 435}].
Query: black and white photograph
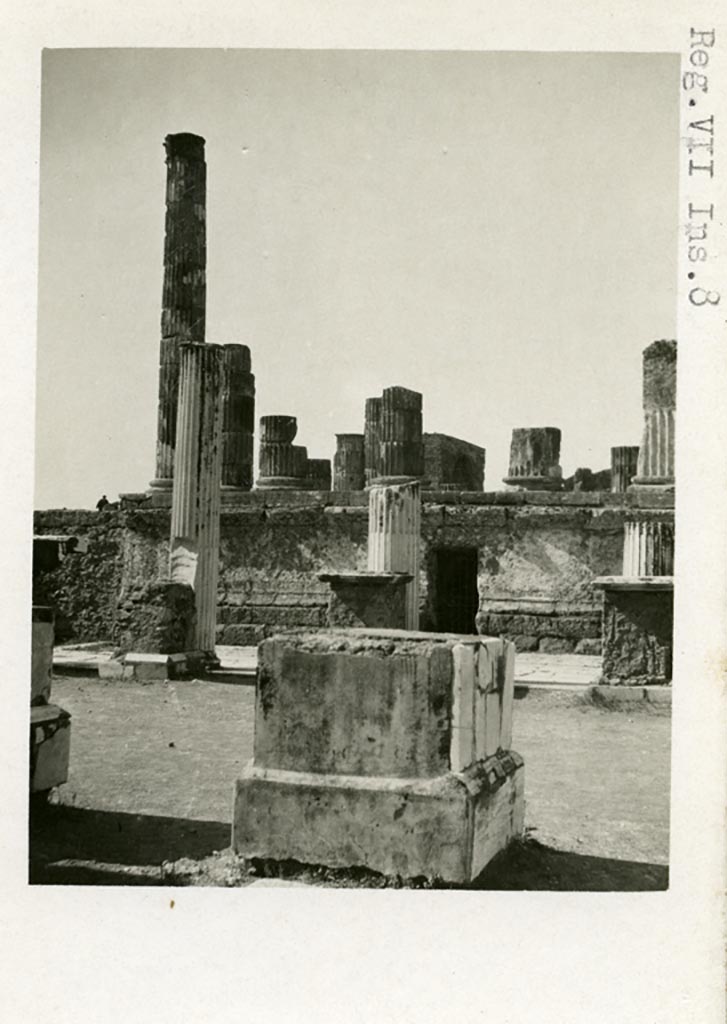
[{"x": 358, "y": 486}]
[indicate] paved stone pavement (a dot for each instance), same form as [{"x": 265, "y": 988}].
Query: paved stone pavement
[{"x": 531, "y": 669}]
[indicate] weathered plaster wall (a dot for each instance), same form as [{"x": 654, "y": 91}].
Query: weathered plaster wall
[{"x": 537, "y": 555}]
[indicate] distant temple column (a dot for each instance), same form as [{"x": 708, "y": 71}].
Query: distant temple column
[
  {"x": 195, "y": 519},
  {"x": 394, "y": 536},
  {"x": 238, "y": 418},
  {"x": 624, "y": 463},
  {"x": 372, "y": 431},
  {"x": 534, "y": 459},
  {"x": 648, "y": 548},
  {"x": 348, "y": 463},
  {"x": 656, "y": 456},
  {"x": 401, "y": 444},
  {"x": 282, "y": 464},
  {"x": 184, "y": 288}
]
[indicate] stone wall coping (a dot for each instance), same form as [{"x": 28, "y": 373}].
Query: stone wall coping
[
  {"x": 366, "y": 578},
  {"x": 645, "y": 583}
]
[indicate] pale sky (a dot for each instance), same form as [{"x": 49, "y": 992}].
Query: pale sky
[{"x": 496, "y": 230}]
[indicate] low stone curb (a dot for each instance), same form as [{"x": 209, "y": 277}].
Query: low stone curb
[{"x": 622, "y": 695}]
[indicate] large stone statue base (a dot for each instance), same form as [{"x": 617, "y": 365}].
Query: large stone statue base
[
  {"x": 446, "y": 828},
  {"x": 638, "y": 626},
  {"x": 385, "y": 749}
]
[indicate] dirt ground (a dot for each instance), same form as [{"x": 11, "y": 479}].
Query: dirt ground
[{"x": 149, "y": 796}]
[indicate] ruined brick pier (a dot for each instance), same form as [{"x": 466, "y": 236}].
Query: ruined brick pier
[{"x": 238, "y": 419}]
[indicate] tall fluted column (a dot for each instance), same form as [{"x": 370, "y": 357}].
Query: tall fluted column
[
  {"x": 184, "y": 288},
  {"x": 401, "y": 445},
  {"x": 238, "y": 418},
  {"x": 648, "y": 548},
  {"x": 534, "y": 459},
  {"x": 195, "y": 525},
  {"x": 348, "y": 463},
  {"x": 624, "y": 464},
  {"x": 394, "y": 535},
  {"x": 656, "y": 456}
]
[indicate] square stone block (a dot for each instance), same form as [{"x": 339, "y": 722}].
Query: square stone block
[
  {"x": 154, "y": 667},
  {"x": 385, "y": 749},
  {"x": 638, "y": 626}
]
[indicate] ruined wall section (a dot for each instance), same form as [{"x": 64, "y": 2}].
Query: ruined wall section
[
  {"x": 84, "y": 587},
  {"x": 537, "y": 556}
]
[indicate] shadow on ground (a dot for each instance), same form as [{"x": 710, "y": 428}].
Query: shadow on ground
[
  {"x": 531, "y": 865},
  {"x": 73, "y": 846}
]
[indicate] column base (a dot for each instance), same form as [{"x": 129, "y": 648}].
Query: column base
[
  {"x": 534, "y": 483},
  {"x": 447, "y": 828},
  {"x": 656, "y": 483}
]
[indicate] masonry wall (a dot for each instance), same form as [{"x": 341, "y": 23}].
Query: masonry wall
[{"x": 537, "y": 555}]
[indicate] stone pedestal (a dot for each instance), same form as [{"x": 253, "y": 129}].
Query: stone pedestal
[
  {"x": 394, "y": 535},
  {"x": 638, "y": 624},
  {"x": 348, "y": 463},
  {"x": 624, "y": 466},
  {"x": 367, "y": 599},
  {"x": 282, "y": 464},
  {"x": 238, "y": 419},
  {"x": 648, "y": 548},
  {"x": 382, "y": 749},
  {"x": 184, "y": 285},
  {"x": 195, "y": 520},
  {"x": 50, "y": 725},
  {"x": 534, "y": 459},
  {"x": 656, "y": 455}
]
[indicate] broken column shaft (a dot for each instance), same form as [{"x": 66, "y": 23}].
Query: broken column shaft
[
  {"x": 348, "y": 463},
  {"x": 534, "y": 459},
  {"x": 195, "y": 525},
  {"x": 394, "y": 534},
  {"x": 624, "y": 465},
  {"x": 656, "y": 456},
  {"x": 184, "y": 288}
]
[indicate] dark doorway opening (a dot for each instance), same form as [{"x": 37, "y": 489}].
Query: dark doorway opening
[{"x": 456, "y": 598}]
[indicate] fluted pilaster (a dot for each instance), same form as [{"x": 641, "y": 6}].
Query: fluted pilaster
[
  {"x": 394, "y": 536},
  {"x": 195, "y": 518}
]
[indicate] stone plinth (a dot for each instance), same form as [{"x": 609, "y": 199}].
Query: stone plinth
[
  {"x": 373, "y": 599},
  {"x": 638, "y": 624},
  {"x": 648, "y": 548},
  {"x": 534, "y": 459},
  {"x": 184, "y": 284},
  {"x": 195, "y": 520},
  {"x": 382, "y": 749},
  {"x": 318, "y": 475},
  {"x": 238, "y": 418},
  {"x": 42, "y": 658},
  {"x": 282, "y": 465},
  {"x": 348, "y": 463},
  {"x": 624, "y": 466},
  {"x": 50, "y": 725},
  {"x": 394, "y": 535},
  {"x": 656, "y": 455}
]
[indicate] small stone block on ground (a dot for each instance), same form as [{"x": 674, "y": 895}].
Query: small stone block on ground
[{"x": 155, "y": 667}]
